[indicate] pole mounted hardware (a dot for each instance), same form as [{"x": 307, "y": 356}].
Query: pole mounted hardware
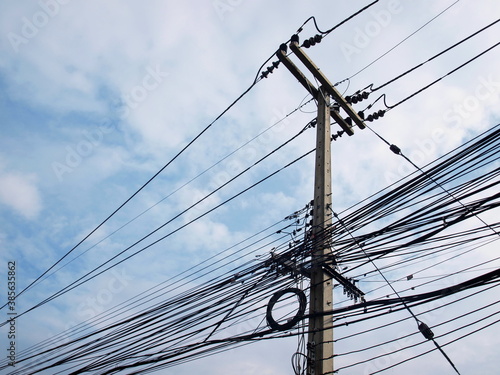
[
  {"x": 327, "y": 86},
  {"x": 349, "y": 287}
]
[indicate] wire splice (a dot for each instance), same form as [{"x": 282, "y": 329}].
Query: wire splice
[
  {"x": 426, "y": 331},
  {"x": 395, "y": 149}
]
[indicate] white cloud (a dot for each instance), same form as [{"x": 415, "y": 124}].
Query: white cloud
[{"x": 20, "y": 193}]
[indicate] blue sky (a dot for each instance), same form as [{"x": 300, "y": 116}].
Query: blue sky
[{"x": 96, "y": 97}]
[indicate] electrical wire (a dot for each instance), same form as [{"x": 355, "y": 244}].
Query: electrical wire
[
  {"x": 436, "y": 55},
  {"x": 442, "y": 77},
  {"x": 176, "y": 190},
  {"x": 398, "y": 151},
  {"x": 142, "y": 340},
  {"x": 405, "y": 39},
  {"x": 179, "y": 153},
  {"x": 174, "y": 331},
  {"x": 325, "y": 33},
  {"x": 93, "y": 273},
  {"x": 419, "y": 322}
]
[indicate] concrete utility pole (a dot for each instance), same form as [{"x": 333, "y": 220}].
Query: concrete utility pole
[{"x": 320, "y": 340}]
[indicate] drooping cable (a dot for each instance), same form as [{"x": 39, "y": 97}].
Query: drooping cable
[
  {"x": 395, "y": 149},
  {"x": 421, "y": 325}
]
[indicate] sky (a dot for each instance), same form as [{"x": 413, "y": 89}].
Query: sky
[{"x": 96, "y": 97}]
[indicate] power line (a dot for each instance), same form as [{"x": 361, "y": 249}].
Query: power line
[
  {"x": 325, "y": 33},
  {"x": 256, "y": 80},
  {"x": 207, "y": 270},
  {"x": 138, "y": 341},
  {"x": 402, "y": 41},
  {"x": 178, "y": 189},
  {"x": 126, "y": 339},
  {"x": 436, "y": 55},
  {"x": 442, "y": 77},
  {"x": 85, "y": 278},
  {"x": 397, "y": 151},
  {"x": 137, "y": 191}
]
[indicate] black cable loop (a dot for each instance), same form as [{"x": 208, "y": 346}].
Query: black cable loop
[{"x": 273, "y": 324}]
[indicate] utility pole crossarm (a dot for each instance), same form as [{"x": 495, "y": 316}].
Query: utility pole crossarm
[
  {"x": 327, "y": 85},
  {"x": 281, "y": 55},
  {"x": 343, "y": 124},
  {"x": 349, "y": 287}
]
